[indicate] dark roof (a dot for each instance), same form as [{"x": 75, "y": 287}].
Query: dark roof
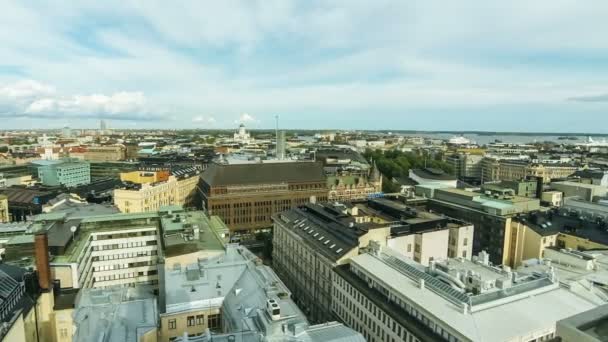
[
  {"x": 552, "y": 223},
  {"x": 405, "y": 181},
  {"x": 66, "y": 299},
  {"x": 340, "y": 153},
  {"x": 432, "y": 173},
  {"x": 264, "y": 173},
  {"x": 318, "y": 225},
  {"x": 590, "y": 174},
  {"x": 25, "y": 195},
  {"x": 11, "y": 280}
]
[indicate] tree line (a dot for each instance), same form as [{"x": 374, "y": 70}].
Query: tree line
[{"x": 395, "y": 163}]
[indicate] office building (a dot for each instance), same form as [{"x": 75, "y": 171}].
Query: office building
[
  {"x": 309, "y": 241},
  {"x": 467, "y": 166},
  {"x": 178, "y": 189},
  {"x": 496, "y": 169},
  {"x": 246, "y": 195},
  {"x": 4, "y": 216},
  {"x": 93, "y": 246},
  {"x": 490, "y": 214},
  {"x": 67, "y": 172},
  {"x": 387, "y": 297},
  {"x": 587, "y": 192},
  {"x": 235, "y": 297}
]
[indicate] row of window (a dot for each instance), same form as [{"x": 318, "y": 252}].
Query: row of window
[
  {"x": 213, "y": 321},
  {"x": 120, "y": 256},
  {"x": 124, "y": 276}
]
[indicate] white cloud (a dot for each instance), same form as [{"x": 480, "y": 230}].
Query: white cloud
[
  {"x": 280, "y": 56},
  {"x": 35, "y": 99},
  {"x": 204, "y": 119},
  {"x": 245, "y": 117}
]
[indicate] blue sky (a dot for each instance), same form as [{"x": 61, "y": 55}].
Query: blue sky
[{"x": 425, "y": 65}]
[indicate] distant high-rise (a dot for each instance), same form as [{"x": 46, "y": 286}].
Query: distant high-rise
[
  {"x": 281, "y": 145},
  {"x": 102, "y": 125},
  {"x": 66, "y": 132}
]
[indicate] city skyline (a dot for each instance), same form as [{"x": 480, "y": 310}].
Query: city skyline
[{"x": 517, "y": 66}]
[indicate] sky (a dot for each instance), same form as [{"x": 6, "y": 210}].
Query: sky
[{"x": 343, "y": 64}]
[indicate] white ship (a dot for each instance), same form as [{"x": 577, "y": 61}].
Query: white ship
[
  {"x": 460, "y": 141},
  {"x": 592, "y": 143}
]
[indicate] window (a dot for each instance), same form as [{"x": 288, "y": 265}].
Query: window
[
  {"x": 172, "y": 324},
  {"x": 213, "y": 321},
  {"x": 464, "y": 254},
  {"x": 63, "y": 332},
  {"x": 465, "y": 242},
  {"x": 200, "y": 319},
  {"x": 409, "y": 247},
  {"x": 190, "y": 321}
]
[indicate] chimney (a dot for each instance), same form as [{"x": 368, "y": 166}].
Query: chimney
[
  {"x": 41, "y": 252},
  {"x": 540, "y": 186}
]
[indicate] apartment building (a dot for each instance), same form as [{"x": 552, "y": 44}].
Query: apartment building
[
  {"x": 235, "y": 297},
  {"x": 4, "y": 217},
  {"x": 388, "y": 297},
  {"x": 247, "y": 195},
  {"x": 490, "y": 213},
  {"x": 178, "y": 189},
  {"x": 309, "y": 241},
  {"x": 67, "y": 172}
]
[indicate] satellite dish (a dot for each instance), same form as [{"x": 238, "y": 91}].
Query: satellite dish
[{"x": 73, "y": 229}]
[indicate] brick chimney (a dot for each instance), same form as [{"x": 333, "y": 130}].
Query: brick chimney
[{"x": 41, "y": 253}]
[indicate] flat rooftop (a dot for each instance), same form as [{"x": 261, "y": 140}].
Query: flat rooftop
[
  {"x": 115, "y": 314},
  {"x": 524, "y": 312}
]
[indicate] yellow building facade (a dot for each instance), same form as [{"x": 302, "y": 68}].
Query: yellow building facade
[
  {"x": 151, "y": 196},
  {"x": 4, "y": 217}
]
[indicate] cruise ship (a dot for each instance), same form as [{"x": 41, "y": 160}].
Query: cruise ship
[{"x": 461, "y": 140}]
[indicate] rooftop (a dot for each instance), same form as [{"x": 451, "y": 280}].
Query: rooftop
[
  {"x": 326, "y": 226},
  {"x": 188, "y": 232},
  {"x": 264, "y": 173},
  {"x": 553, "y": 222},
  {"x": 432, "y": 173},
  {"x": 115, "y": 314},
  {"x": 528, "y": 302},
  {"x": 255, "y": 303}
]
